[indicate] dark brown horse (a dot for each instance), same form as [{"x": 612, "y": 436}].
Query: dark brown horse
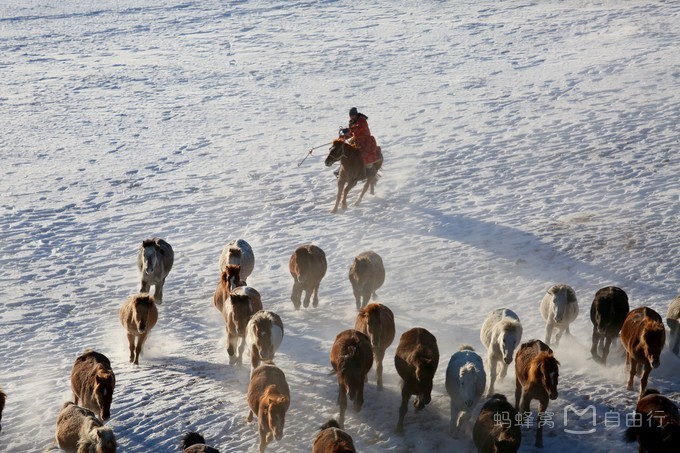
[
  {"x": 332, "y": 439},
  {"x": 268, "y": 397},
  {"x": 351, "y": 358},
  {"x": 536, "y": 376},
  {"x": 607, "y": 313},
  {"x": 497, "y": 429},
  {"x": 377, "y": 322},
  {"x": 92, "y": 382},
  {"x": 307, "y": 266},
  {"x": 193, "y": 442},
  {"x": 366, "y": 275},
  {"x": 351, "y": 171},
  {"x": 657, "y": 427},
  {"x": 230, "y": 278},
  {"x": 643, "y": 336},
  {"x": 416, "y": 361}
]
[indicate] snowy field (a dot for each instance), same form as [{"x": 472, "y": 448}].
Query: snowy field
[{"x": 526, "y": 143}]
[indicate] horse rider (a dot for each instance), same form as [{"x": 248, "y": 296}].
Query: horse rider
[{"x": 359, "y": 135}]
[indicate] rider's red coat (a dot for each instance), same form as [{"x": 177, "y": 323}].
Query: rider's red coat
[{"x": 364, "y": 140}]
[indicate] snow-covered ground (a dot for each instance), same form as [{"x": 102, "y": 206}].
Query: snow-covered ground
[{"x": 527, "y": 143}]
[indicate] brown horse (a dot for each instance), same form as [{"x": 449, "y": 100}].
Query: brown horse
[
  {"x": 607, "y": 313},
  {"x": 536, "y": 376},
  {"x": 193, "y": 442},
  {"x": 242, "y": 304},
  {"x": 366, "y": 274},
  {"x": 351, "y": 171},
  {"x": 643, "y": 336},
  {"x": 230, "y": 278},
  {"x": 269, "y": 398},
  {"x": 377, "y": 322},
  {"x": 92, "y": 382},
  {"x": 497, "y": 429},
  {"x": 138, "y": 315},
  {"x": 416, "y": 361},
  {"x": 307, "y": 266},
  {"x": 79, "y": 431},
  {"x": 3, "y": 398},
  {"x": 332, "y": 439},
  {"x": 658, "y": 424},
  {"x": 351, "y": 358}
]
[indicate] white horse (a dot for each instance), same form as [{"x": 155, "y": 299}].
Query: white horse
[
  {"x": 154, "y": 261},
  {"x": 501, "y": 333},
  {"x": 465, "y": 384},
  {"x": 239, "y": 253},
  {"x": 559, "y": 308}
]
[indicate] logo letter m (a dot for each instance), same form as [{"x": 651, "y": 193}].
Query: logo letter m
[{"x": 580, "y": 415}]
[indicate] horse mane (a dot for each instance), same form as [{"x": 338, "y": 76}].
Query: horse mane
[
  {"x": 543, "y": 357},
  {"x": 466, "y": 347},
  {"x": 571, "y": 294},
  {"x": 274, "y": 396},
  {"x": 509, "y": 324},
  {"x": 191, "y": 438},
  {"x": 332, "y": 423},
  {"x": 144, "y": 299},
  {"x": 370, "y": 309},
  {"x": 239, "y": 299},
  {"x": 96, "y": 436}
]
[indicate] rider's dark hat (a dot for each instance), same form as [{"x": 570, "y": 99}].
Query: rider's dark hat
[{"x": 353, "y": 111}]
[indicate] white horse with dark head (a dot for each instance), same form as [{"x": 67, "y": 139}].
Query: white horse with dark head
[
  {"x": 501, "y": 333},
  {"x": 559, "y": 308},
  {"x": 238, "y": 253},
  {"x": 465, "y": 384},
  {"x": 154, "y": 261}
]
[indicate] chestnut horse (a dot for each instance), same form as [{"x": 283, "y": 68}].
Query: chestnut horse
[
  {"x": 230, "y": 278},
  {"x": 416, "y": 361},
  {"x": 377, "y": 322},
  {"x": 138, "y": 315},
  {"x": 536, "y": 376},
  {"x": 307, "y": 266},
  {"x": 79, "y": 430},
  {"x": 366, "y": 274},
  {"x": 658, "y": 424},
  {"x": 351, "y": 358},
  {"x": 351, "y": 171},
  {"x": 242, "y": 304},
  {"x": 92, "y": 382},
  {"x": 497, "y": 428},
  {"x": 332, "y": 439},
  {"x": 607, "y": 313},
  {"x": 643, "y": 336},
  {"x": 268, "y": 397}
]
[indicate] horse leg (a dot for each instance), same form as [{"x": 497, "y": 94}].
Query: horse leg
[
  {"x": 645, "y": 376},
  {"x": 241, "y": 348},
  {"x": 453, "y": 424},
  {"x": 138, "y": 349},
  {"x": 605, "y": 349},
  {"x": 675, "y": 336},
  {"x": 631, "y": 373},
  {"x": 518, "y": 393},
  {"x": 308, "y": 295},
  {"x": 348, "y": 187},
  {"x": 231, "y": 345},
  {"x": 594, "y": 345},
  {"x": 145, "y": 287},
  {"x": 548, "y": 332},
  {"x": 250, "y": 416},
  {"x": 254, "y": 358},
  {"x": 542, "y": 407},
  {"x": 405, "y": 395},
  {"x": 504, "y": 370},
  {"x": 492, "y": 374},
  {"x": 158, "y": 292},
  {"x": 379, "y": 356},
  {"x": 315, "y": 300},
  {"x": 337, "y": 197},
  {"x": 263, "y": 435},
  {"x": 363, "y": 192},
  {"x": 296, "y": 294},
  {"x": 131, "y": 344},
  {"x": 357, "y": 298},
  {"x": 342, "y": 402},
  {"x": 558, "y": 336}
]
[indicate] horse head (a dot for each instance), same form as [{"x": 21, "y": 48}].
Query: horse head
[
  {"x": 233, "y": 276},
  {"x": 241, "y": 308},
  {"x": 140, "y": 315},
  {"x": 273, "y": 408},
  {"x": 467, "y": 376},
  {"x": 653, "y": 338},
  {"x": 508, "y": 341},
  {"x": 103, "y": 391},
  {"x": 562, "y": 296},
  {"x": 335, "y": 152},
  {"x": 149, "y": 256},
  {"x": 544, "y": 368},
  {"x": 263, "y": 332},
  {"x": 425, "y": 369},
  {"x": 373, "y": 324}
]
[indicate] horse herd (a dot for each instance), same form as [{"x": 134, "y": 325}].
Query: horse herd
[{"x": 80, "y": 424}]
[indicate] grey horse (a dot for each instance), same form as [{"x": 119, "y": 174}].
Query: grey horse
[{"x": 154, "y": 262}]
